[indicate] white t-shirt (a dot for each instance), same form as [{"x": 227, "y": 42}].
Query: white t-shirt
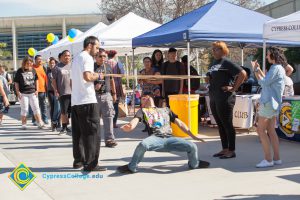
[{"x": 83, "y": 92}]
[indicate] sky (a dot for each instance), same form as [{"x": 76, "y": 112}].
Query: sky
[{"x": 9, "y": 8}]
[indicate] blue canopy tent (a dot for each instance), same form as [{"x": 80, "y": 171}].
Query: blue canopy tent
[{"x": 218, "y": 20}]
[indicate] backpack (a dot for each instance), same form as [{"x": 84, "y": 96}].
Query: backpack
[
  {"x": 119, "y": 87},
  {"x": 4, "y": 84},
  {"x": 7, "y": 76}
]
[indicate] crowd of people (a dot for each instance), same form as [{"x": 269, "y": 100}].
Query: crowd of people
[{"x": 79, "y": 89}]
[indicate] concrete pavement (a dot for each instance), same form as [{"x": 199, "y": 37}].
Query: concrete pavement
[{"x": 160, "y": 176}]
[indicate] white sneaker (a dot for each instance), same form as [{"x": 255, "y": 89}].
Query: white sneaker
[
  {"x": 265, "y": 163},
  {"x": 277, "y": 162},
  {"x": 41, "y": 125},
  {"x": 24, "y": 127}
]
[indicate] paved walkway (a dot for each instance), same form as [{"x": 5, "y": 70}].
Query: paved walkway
[{"x": 161, "y": 175}]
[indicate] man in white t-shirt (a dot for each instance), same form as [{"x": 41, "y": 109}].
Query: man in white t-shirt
[{"x": 85, "y": 112}]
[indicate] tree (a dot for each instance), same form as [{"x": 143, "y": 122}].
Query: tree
[
  {"x": 160, "y": 11},
  {"x": 253, "y": 4},
  {"x": 4, "y": 54},
  {"x": 292, "y": 55}
]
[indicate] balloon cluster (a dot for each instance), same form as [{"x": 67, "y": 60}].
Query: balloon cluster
[
  {"x": 72, "y": 34},
  {"x": 32, "y": 52},
  {"x": 51, "y": 38}
]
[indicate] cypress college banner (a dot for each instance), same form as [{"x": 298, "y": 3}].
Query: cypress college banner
[{"x": 286, "y": 28}]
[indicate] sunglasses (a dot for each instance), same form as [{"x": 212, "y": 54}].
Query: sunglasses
[{"x": 216, "y": 49}]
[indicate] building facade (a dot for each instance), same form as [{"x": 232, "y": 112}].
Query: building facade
[
  {"x": 21, "y": 33},
  {"x": 280, "y": 8}
]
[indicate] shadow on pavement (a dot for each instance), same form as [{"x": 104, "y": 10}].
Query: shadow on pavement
[
  {"x": 293, "y": 177},
  {"x": 148, "y": 159},
  {"x": 41, "y": 147},
  {"x": 260, "y": 197},
  {"x": 43, "y": 169}
]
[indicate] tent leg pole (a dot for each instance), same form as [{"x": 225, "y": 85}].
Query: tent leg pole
[
  {"x": 134, "y": 83},
  {"x": 242, "y": 56},
  {"x": 264, "y": 56},
  {"x": 197, "y": 60},
  {"x": 189, "y": 84},
  {"x": 127, "y": 72}
]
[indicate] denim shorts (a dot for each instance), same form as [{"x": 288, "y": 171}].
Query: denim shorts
[{"x": 266, "y": 110}]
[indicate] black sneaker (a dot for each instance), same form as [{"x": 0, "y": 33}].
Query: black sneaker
[
  {"x": 111, "y": 143},
  {"x": 53, "y": 127},
  {"x": 124, "y": 170},
  {"x": 6, "y": 109},
  {"x": 63, "y": 131},
  {"x": 68, "y": 130},
  {"x": 78, "y": 165},
  {"x": 95, "y": 169},
  {"x": 203, "y": 164}
]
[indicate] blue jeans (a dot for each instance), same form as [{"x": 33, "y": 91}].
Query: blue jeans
[
  {"x": 154, "y": 143},
  {"x": 54, "y": 108}
]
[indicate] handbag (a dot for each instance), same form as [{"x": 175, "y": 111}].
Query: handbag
[{"x": 123, "y": 109}]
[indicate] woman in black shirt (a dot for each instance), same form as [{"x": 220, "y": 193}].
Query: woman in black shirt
[
  {"x": 26, "y": 87},
  {"x": 221, "y": 76}
]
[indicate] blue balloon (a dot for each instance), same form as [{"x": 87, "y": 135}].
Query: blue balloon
[
  {"x": 72, "y": 33},
  {"x": 55, "y": 40}
]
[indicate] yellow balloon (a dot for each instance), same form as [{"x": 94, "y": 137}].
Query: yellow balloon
[
  {"x": 50, "y": 37},
  {"x": 31, "y": 51},
  {"x": 71, "y": 39}
]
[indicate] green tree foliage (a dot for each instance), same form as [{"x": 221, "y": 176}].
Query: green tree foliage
[
  {"x": 293, "y": 55},
  {"x": 4, "y": 54}
]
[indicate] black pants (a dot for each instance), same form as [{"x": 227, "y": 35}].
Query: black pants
[
  {"x": 86, "y": 134},
  {"x": 116, "y": 107},
  {"x": 222, "y": 110}
]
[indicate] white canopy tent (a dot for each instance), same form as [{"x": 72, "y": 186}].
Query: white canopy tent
[
  {"x": 286, "y": 28},
  {"x": 77, "y": 46},
  {"x": 49, "y": 51},
  {"x": 78, "y": 41},
  {"x": 118, "y": 36}
]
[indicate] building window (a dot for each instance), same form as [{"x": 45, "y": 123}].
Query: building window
[{"x": 36, "y": 40}]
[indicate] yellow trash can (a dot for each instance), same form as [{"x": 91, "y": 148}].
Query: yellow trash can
[{"x": 179, "y": 105}]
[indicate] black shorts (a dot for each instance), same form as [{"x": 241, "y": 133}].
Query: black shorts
[{"x": 65, "y": 104}]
